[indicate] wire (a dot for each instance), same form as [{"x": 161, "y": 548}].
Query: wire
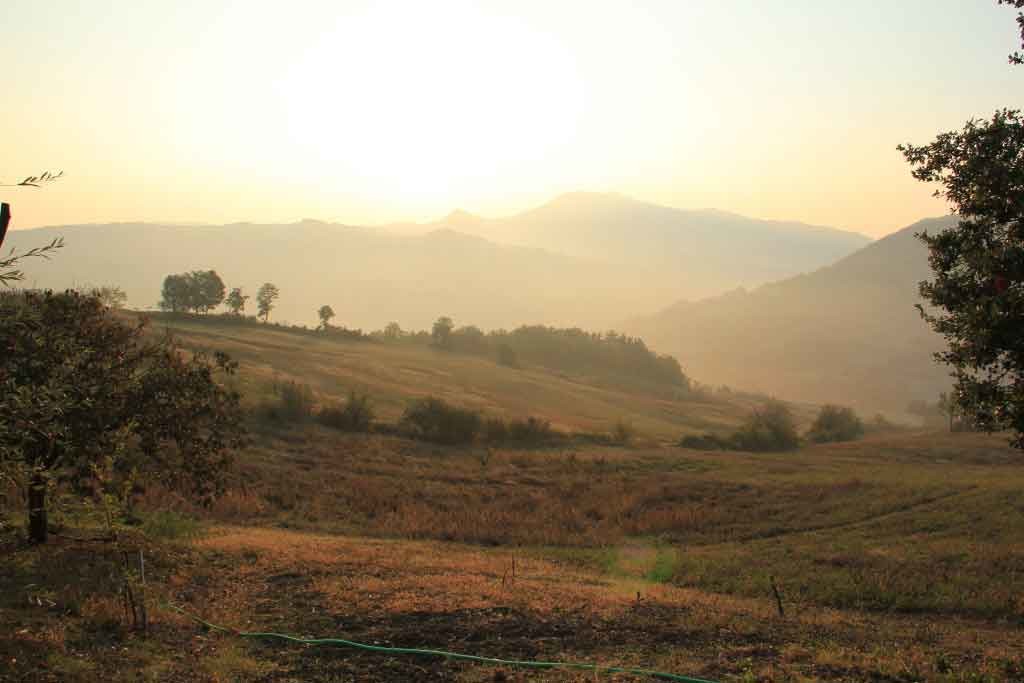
[{"x": 441, "y": 653}]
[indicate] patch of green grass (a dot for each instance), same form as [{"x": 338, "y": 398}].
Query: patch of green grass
[
  {"x": 664, "y": 568},
  {"x": 171, "y": 526}
]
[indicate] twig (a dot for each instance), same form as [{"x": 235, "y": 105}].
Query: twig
[{"x": 778, "y": 597}]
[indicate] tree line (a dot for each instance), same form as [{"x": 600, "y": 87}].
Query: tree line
[
  {"x": 572, "y": 350},
  {"x": 201, "y": 291}
]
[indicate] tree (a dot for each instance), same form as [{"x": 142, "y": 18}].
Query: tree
[
  {"x": 176, "y": 294},
  {"x": 442, "y": 332},
  {"x": 392, "y": 331},
  {"x": 1017, "y": 57},
  {"x": 770, "y": 428},
  {"x": 835, "y": 423},
  {"x": 207, "y": 290},
  {"x": 9, "y": 272},
  {"x": 110, "y": 296},
  {"x": 82, "y": 393},
  {"x": 977, "y": 295},
  {"x": 265, "y": 298},
  {"x": 235, "y": 301},
  {"x": 325, "y": 313}
]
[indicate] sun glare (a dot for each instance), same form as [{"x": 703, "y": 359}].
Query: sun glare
[{"x": 427, "y": 105}]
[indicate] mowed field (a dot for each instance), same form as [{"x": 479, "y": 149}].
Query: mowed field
[
  {"x": 895, "y": 558},
  {"x": 393, "y": 374}
]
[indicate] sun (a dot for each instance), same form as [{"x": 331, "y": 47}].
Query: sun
[{"x": 428, "y": 104}]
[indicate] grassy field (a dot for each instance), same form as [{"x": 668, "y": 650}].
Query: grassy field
[
  {"x": 896, "y": 558},
  {"x": 394, "y": 374}
]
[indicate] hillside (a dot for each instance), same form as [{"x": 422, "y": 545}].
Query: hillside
[
  {"x": 846, "y": 333},
  {"x": 586, "y": 260},
  {"x": 706, "y": 251},
  {"x": 395, "y": 373}
]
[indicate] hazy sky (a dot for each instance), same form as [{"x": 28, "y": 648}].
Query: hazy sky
[{"x": 370, "y": 112}]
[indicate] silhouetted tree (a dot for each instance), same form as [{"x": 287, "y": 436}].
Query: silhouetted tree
[
  {"x": 199, "y": 290},
  {"x": 442, "y": 332},
  {"x": 325, "y": 313},
  {"x": 176, "y": 294},
  {"x": 235, "y": 301},
  {"x": 265, "y": 298},
  {"x": 393, "y": 331},
  {"x": 207, "y": 290},
  {"x": 80, "y": 389}
]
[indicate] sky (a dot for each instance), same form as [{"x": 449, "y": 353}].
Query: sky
[{"x": 376, "y": 112}]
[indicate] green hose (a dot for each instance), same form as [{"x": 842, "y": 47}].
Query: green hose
[{"x": 449, "y": 655}]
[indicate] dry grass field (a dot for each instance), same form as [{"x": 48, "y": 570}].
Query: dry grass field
[
  {"x": 395, "y": 373},
  {"x": 896, "y": 558}
]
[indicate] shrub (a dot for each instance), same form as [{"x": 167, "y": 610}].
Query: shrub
[
  {"x": 356, "y": 415},
  {"x": 495, "y": 430},
  {"x": 705, "y": 442},
  {"x": 623, "y": 433},
  {"x": 432, "y": 419},
  {"x": 532, "y": 430},
  {"x": 769, "y": 429},
  {"x": 295, "y": 401},
  {"x": 835, "y": 423}
]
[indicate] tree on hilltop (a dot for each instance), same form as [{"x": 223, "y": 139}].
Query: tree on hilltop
[
  {"x": 325, "y": 313},
  {"x": 441, "y": 332},
  {"x": 235, "y": 301},
  {"x": 265, "y": 298}
]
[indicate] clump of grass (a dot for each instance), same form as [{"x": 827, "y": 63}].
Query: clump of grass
[{"x": 170, "y": 525}]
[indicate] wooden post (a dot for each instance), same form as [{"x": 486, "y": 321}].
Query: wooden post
[{"x": 5, "y": 220}]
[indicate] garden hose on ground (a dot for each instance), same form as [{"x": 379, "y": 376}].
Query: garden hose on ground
[{"x": 448, "y": 655}]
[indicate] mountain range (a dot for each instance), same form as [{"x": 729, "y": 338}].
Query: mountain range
[{"x": 540, "y": 266}]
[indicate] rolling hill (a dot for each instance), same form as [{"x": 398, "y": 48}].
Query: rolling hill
[
  {"x": 846, "y": 333},
  {"x": 393, "y": 374}
]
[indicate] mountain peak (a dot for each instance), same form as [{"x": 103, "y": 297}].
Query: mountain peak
[{"x": 460, "y": 217}]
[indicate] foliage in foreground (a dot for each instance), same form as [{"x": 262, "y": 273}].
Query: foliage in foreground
[
  {"x": 86, "y": 396},
  {"x": 977, "y": 293}
]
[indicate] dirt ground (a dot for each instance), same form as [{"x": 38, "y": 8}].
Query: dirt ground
[{"x": 446, "y": 596}]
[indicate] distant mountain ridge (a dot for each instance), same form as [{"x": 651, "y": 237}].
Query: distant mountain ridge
[
  {"x": 706, "y": 251},
  {"x": 846, "y": 333},
  {"x": 583, "y": 259}
]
